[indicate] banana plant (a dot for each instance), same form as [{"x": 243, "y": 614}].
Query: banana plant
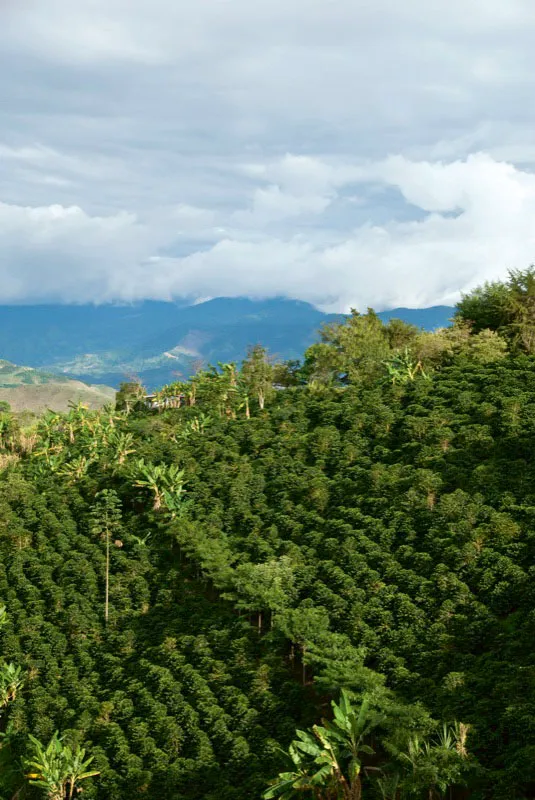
[
  {"x": 75, "y": 470},
  {"x": 434, "y": 764},
  {"x": 389, "y": 786},
  {"x": 402, "y": 368},
  {"x": 8, "y": 431},
  {"x": 165, "y": 482},
  {"x": 122, "y": 445},
  {"x": 11, "y": 677},
  {"x": 51, "y": 453},
  {"x": 301, "y": 778},
  {"x": 328, "y": 759},
  {"x": 199, "y": 423},
  {"x": 11, "y": 680},
  {"x": 58, "y": 768}
]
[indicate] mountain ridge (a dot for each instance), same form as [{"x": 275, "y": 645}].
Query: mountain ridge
[{"x": 158, "y": 341}]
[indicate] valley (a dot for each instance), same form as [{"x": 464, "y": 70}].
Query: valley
[{"x": 160, "y": 342}]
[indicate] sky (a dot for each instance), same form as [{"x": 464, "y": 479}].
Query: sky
[{"x": 343, "y": 152}]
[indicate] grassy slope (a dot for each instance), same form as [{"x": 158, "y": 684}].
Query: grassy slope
[
  {"x": 27, "y": 389},
  {"x": 56, "y": 396}
]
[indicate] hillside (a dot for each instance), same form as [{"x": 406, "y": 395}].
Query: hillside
[
  {"x": 187, "y": 589},
  {"x": 158, "y": 341},
  {"x": 27, "y": 389}
]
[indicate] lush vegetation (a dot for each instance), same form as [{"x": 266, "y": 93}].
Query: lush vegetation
[{"x": 287, "y": 580}]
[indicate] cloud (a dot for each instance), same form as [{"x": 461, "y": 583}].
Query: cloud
[
  {"x": 341, "y": 153},
  {"x": 416, "y": 263},
  {"x": 475, "y": 219}
]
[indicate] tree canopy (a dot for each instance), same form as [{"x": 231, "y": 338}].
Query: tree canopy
[{"x": 321, "y": 571}]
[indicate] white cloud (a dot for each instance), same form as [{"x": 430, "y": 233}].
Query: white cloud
[
  {"x": 415, "y": 263},
  {"x": 342, "y": 153},
  {"x": 418, "y": 262}
]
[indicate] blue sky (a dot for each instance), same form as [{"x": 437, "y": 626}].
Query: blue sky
[{"x": 334, "y": 151}]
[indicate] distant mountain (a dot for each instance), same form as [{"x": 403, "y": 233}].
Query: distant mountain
[
  {"x": 27, "y": 389},
  {"x": 159, "y": 341},
  {"x": 427, "y": 318},
  {"x": 13, "y": 376}
]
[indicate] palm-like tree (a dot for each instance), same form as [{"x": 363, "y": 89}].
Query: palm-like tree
[
  {"x": 105, "y": 520},
  {"x": 58, "y": 768},
  {"x": 198, "y": 423},
  {"x": 328, "y": 760},
  {"x": 8, "y": 431},
  {"x": 165, "y": 482},
  {"x": 75, "y": 470},
  {"x": 403, "y": 368},
  {"x": 437, "y": 763},
  {"x": 50, "y": 453},
  {"x": 49, "y": 425},
  {"x": 122, "y": 445},
  {"x": 142, "y": 540},
  {"x": 11, "y": 680}
]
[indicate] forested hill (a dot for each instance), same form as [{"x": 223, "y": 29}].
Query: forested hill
[{"x": 185, "y": 587}]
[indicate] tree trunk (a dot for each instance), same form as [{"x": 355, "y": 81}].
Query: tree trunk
[
  {"x": 356, "y": 789},
  {"x": 107, "y": 576}
]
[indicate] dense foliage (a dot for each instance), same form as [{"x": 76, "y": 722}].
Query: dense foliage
[{"x": 187, "y": 583}]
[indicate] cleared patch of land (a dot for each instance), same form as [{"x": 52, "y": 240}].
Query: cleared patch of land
[
  {"x": 27, "y": 389},
  {"x": 37, "y": 398}
]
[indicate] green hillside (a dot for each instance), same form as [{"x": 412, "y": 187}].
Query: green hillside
[
  {"x": 12, "y": 375},
  {"x": 332, "y": 559}
]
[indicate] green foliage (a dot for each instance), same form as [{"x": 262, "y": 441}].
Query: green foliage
[
  {"x": 328, "y": 759},
  {"x": 11, "y": 681},
  {"x": 106, "y": 517},
  {"x": 334, "y": 759},
  {"x": 57, "y": 768},
  {"x": 487, "y": 307},
  {"x": 129, "y": 396},
  {"x": 505, "y": 307},
  {"x": 403, "y": 367},
  {"x": 188, "y": 584},
  {"x": 165, "y": 482}
]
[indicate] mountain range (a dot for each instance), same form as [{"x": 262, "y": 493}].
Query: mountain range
[{"x": 160, "y": 341}]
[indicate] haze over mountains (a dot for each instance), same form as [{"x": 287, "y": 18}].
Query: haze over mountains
[{"x": 158, "y": 341}]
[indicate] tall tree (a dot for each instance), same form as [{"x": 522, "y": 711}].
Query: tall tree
[
  {"x": 106, "y": 518},
  {"x": 257, "y": 375}
]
